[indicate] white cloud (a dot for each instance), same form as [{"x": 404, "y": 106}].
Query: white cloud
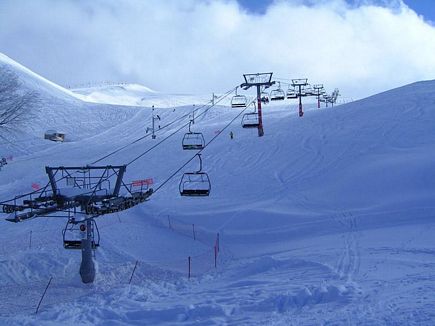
[{"x": 205, "y": 46}]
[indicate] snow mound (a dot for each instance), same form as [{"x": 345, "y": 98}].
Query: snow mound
[{"x": 307, "y": 296}]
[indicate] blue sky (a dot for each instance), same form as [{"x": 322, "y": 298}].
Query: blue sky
[{"x": 426, "y": 8}]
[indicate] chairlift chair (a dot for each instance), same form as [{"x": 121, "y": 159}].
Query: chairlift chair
[
  {"x": 309, "y": 91},
  {"x": 292, "y": 93},
  {"x": 239, "y": 101},
  {"x": 195, "y": 184},
  {"x": 325, "y": 98},
  {"x": 75, "y": 231},
  {"x": 193, "y": 140},
  {"x": 277, "y": 94},
  {"x": 250, "y": 120}
]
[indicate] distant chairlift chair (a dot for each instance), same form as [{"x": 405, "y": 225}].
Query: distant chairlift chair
[
  {"x": 309, "y": 91},
  {"x": 292, "y": 93},
  {"x": 277, "y": 94},
  {"x": 195, "y": 184},
  {"x": 193, "y": 140},
  {"x": 250, "y": 120},
  {"x": 239, "y": 101}
]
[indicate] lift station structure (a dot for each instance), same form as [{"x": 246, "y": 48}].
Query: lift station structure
[
  {"x": 79, "y": 194},
  {"x": 258, "y": 80}
]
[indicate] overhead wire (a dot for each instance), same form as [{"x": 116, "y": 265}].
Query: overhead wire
[
  {"x": 7, "y": 141},
  {"x": 207, "y": 144},
  {"x": 179, "y": 129},
  {"x": 165, "y": 126},
  {"x": 183, "y": 126},
  {"x": 213, "y": 104}
]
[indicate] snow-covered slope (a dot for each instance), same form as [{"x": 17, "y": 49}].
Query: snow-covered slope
[
  {"x": 136, "y": 95},
  {"x": 327, "y": 219},
  {"x": 57, "y": 108},
  {"x": 34, "y": 81}
]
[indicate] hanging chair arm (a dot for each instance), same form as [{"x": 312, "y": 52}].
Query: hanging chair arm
[{"x": 200, "y": 163}]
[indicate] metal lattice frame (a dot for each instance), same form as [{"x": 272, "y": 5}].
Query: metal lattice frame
[
  {"x": 299, "y": 82},
  {"x": 89, "y": 193},
  {"x": 258, "y": 79}
]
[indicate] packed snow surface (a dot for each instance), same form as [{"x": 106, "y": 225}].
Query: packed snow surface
[
  {"x": 327, "y": 219},
  {"x": 136, "y": 95}
]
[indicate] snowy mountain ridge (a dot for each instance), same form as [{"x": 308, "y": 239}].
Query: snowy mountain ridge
[
  {"x": 136, "y": 95},
  {"x": 33, "y": 80}
]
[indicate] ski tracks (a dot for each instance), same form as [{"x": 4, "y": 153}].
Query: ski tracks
[{"x": 348, "y": 264}]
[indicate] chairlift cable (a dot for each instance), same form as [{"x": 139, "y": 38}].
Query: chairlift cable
[
  {"x": 183, "y": 126},
  {"x": 148, "y": 150},
  {"x": 7, "y": 141},
  {"x": 200, "y": 151},
  {"x": 177, "y": 130},
  {"x": 165, "y": 126}
]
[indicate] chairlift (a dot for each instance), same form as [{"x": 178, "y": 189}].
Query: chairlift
[
  {"x": 239, "y": 101},
  {"x": 75, "y": 231},
  {"x": 195, "y": 184},
  {"x": 325, "y": 98},
  {"x": 250, "y": 120},
  {"x": 292, "y": 93},
  {"x": 277, "y": 94},
  {"x": 309, "y": 91},
  {"x": 193, "y": 140}
]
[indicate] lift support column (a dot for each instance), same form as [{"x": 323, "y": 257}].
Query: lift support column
[
  {"x": 319, "y": 90},
  {"x": 87, "y": 266},
  {"x": 300, "y": 83},
  {"x": 258, "y": 80},
  {"x": 260, "y": 117}
]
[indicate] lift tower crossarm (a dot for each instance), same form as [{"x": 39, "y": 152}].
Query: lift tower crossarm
[
  {"x": 87, "y": 192},
  {"x": 258, "y": 80}
]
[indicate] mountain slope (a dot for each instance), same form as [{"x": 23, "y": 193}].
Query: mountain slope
[
  {"x": 326, "y": 219},
  {"x": 136, "y": 95}
]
